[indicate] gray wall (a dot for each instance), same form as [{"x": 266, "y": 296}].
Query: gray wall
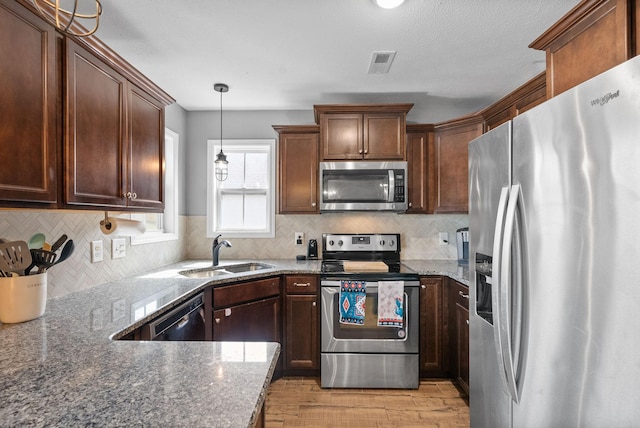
[
  {"x": 205, "y": 125},
  {"x": 176, "y": 120}
]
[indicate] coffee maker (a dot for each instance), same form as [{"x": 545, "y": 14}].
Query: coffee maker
[{"x": 462, "y": 239}]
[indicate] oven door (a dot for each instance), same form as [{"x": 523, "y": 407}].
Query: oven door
[{"x": 369, "y": 337}]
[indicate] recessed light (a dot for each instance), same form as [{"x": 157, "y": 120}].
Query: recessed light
[{"x": 389, "y": 4}]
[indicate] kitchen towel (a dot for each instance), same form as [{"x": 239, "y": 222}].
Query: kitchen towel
[
  {"x": 391, "y": 303},
  {"x": 353, "y": 295}
]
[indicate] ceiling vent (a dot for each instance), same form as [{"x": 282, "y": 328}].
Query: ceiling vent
[{"x": 381, "y": 62}]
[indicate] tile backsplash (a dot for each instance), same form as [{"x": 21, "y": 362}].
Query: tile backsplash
[{"x": 419, "y": 236}]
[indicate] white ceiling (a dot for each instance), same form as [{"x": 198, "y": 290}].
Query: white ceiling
[{"x": 453, "y": 56}]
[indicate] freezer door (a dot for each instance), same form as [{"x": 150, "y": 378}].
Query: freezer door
[
  {"x": 489, "y": 176},
  {"x": 577, "y": 161}
]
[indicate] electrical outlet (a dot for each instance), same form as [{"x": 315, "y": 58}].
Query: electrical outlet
[
  {"x": 299, "y": 236},
  {"x": 118, "y": 248},
  {"x": 443, "y": 238},
  {"x": 118, "y": 309},
  {"x": 97, "y": 251}
]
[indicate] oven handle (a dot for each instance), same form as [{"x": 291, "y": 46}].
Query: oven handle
[
  {"x": 392, "y": 186},
  {"x": 335, "y": 282}
]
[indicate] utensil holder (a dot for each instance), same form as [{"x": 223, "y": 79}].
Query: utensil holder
[{"x": 22, "y": 298}]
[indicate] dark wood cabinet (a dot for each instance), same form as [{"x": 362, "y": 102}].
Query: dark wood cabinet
[
  {"x": 362, "y": 132},
  {"x": 114, "y": 140},
  {"x": 29, "y": 93},
  {"x": 450, "y": 164},
  {"x": 459, "y": 348},
  {"x": 297, "y": 169},
  {"x": 419, "y": 150},
  {"x": 591, "y": 38},
  {"x": 301, "y": 326},
  {"x": 434, "y": 353},
  {"x": 248, "y": 311}
]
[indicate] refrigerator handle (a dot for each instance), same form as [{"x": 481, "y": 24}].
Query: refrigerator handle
[
  {"x": 507, "y": 289},
  {"x": 496, "y": 281}
]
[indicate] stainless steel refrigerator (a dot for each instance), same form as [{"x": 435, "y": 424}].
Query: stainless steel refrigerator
[{"x": 554, "y": 222}]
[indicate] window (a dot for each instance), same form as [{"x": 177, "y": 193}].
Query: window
[
  {"x": 244, "y": 204},
  {"x": 163, "y": 226}
]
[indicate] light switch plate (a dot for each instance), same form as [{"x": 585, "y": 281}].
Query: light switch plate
[
  {"x": 443, "y": 238},
  {"x": 299, "y": 238},
  {"x": 118, "y": 248}
]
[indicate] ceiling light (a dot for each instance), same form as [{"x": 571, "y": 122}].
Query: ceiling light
[
  {"x": 389, "y": 4},
  {"x": 221, "y": 163},
  {"x": 62, "y": 18}
]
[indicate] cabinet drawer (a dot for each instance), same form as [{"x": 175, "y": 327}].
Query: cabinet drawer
[
  {"x": 301, "y": 284},
  {"x": 245, "y": 292},
  {"x": 462, "y": 295}
]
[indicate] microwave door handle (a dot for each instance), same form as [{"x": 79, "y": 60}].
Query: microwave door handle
[{"x": 392, "y": 186}]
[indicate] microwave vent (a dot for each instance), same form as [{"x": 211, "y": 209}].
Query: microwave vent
[{"x": 381, "y": 62}]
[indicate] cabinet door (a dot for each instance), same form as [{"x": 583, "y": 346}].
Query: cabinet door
[
  {"x": 433, "y": 355},
  {"x": 341, "y": 135},
  {"x": 255, "y": 321},
  {"x": 95, "y": 137},
  {"x": 462, "y": 317},
  {"x": 417, "y": 149},
  {"x": 28, "y": 98},
  {"x": 145, "y": 151},
  {"x": 298, "y": 168},
  {"x": 451, "y": 191},
  {"x": 384, "y": 136},
  {"x": 301, "y": 332}
]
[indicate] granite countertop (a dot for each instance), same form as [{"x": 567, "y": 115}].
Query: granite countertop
[{"x": 65, "y": 369}]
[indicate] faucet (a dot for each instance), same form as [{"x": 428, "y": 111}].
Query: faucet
[{"x": 215, "y": 248}]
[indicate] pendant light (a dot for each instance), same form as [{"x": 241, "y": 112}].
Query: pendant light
[
  {"x": 221, "y": 163},
  {"x": 63, "y": 18}
]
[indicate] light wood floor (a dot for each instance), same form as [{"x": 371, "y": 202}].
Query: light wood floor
[{"x": 301, "y": 402}]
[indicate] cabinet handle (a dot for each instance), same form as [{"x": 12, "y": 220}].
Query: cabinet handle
[
  {"x": 302, "y": 284},
  {"x": 461, "y": 294}
]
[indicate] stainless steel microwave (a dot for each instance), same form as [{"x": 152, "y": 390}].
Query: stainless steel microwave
[{"x": 363, "y": 186}]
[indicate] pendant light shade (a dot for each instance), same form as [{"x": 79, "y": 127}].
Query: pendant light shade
[
  {"x": 221, "y": 163},
  {"x": 389, "y": 4}
]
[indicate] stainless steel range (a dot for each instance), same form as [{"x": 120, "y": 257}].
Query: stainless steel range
[{"x": 370, "y": 313}]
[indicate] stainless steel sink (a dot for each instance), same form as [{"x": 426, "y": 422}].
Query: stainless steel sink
[{"x": 211, "y": 272}]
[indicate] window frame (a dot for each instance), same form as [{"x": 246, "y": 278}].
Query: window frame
[
  {"x": 213, "y": 147},
  {"x": 170, "y": 217}
]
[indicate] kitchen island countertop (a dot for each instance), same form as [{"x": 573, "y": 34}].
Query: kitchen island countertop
[{"x": 65, "y": 369}]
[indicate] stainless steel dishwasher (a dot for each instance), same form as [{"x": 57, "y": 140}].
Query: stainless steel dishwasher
[{"x": 185, "y": 322}]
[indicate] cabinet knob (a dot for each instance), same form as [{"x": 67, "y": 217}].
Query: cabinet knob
[
  {"x": 217, "y": 320},
  {"x": 423, "y": 286},
  {"x": 313, "y": 204},
  {"x": 313, "y": 304},
  {"x": 134, "y": 195},
  {"x": 461, "y": 294},
  {"x": 467, "y": 322},
  {"x": 366, "y": 151},
  {"x": 410, "y": 204},
  {"x": 360, "y": 151}
]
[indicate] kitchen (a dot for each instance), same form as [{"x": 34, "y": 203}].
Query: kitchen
[{"x": 420, "y": 233}]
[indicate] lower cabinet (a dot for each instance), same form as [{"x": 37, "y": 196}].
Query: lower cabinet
[
  {"x": 434, "y": 361},
  {"x": 301, "y": 326},
  {"x": 459, "y": 309},
  {"x": 249, "y": 311}
]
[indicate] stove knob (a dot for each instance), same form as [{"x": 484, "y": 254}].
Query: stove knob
[
  {"x": 382, "y": 243},
  {"x": 340, "y": 243},
  {"x": 392, "y": 243},
  {"x": 331, "y": 242}
]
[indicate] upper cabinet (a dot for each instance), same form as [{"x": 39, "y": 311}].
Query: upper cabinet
[
  {"x": 297, "y": 169},
  {"x": 114, "y": 139},
  {"x": 593, "y": 37},
  {"x": 81, "y": 127},
  {"x": 29, "y": 93},
  {"x": 362, "y": 131},
  {"x": 450, "y": 164},
  {"x": 419, "y": 150}
]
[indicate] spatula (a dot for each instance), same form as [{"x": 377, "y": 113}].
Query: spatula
[{"x": 14, "y": 257}]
